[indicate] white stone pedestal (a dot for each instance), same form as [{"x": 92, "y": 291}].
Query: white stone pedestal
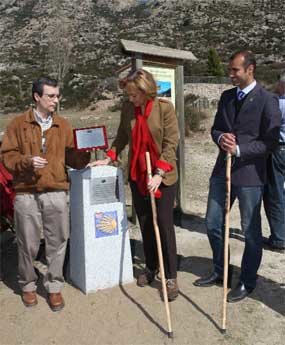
[{"x": 100, "y": 255}]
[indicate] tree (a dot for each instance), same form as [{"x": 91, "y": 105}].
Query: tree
[
  {"x": 214, "y": 64},
  {"x": 60, "y": 48},
  {"x": 60, "y": 42}
]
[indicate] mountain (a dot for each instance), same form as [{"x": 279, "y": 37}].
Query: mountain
[{"x": 78, "y": 41}]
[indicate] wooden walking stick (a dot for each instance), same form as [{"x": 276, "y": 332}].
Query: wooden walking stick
[
  {"x": 226, "y": 240},
  {"x": 159, "y": 251}
]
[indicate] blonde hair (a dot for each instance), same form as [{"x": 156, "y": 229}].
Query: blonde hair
[{"x": 142, "y": 80}]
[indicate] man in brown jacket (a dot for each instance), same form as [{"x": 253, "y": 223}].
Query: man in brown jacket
[{"x": 36, "y": 148}]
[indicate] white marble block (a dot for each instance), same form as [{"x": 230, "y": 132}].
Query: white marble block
[{"x": 100, "y": 255}]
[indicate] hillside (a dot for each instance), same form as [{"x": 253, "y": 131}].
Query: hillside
[{"x": 79, "y": 41}]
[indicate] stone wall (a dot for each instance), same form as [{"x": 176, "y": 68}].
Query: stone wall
[{"x": 212, "y": 92}]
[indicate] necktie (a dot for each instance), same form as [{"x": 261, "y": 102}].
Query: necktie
[{"x": 240, "y": 95}]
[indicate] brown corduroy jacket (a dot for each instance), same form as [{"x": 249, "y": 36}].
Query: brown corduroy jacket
[
  {"x": 163, "y": 126},
  {"x": 23, "y": 140}
]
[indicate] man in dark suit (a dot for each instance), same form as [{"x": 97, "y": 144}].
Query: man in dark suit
[
  {"x": 274, "y": 190},
  {"x": 247, "y": 126}
]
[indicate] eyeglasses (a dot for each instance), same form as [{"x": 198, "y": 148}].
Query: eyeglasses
[{"x": 52, "y": 96}]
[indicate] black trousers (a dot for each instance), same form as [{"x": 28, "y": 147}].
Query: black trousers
[{"x": 166, "y": 228}]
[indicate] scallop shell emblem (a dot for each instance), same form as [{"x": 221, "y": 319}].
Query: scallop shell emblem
[{"x": 107, "y": 224}]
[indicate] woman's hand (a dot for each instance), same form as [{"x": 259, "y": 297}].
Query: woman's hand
[
  {"x": 105, "y": 161},
  {"x": 154, "y": 183}
]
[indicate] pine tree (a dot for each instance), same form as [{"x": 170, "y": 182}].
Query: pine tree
[{"x": 215, "y": 67}]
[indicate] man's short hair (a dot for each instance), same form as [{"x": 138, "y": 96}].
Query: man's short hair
[
  {"x": 38, "y": 85},
  {"x": 249, "y": 58}
]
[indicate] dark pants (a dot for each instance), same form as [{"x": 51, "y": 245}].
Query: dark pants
[
  {"x": 166, "y": 228},
  {"x": 249, "y": 204},
  {"x": 274, "y": 197}
]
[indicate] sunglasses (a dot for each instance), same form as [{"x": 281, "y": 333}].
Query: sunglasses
[{"x": 132, "y": 76}]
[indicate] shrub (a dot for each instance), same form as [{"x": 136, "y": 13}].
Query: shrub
[
  {"x": 193, "y": 119},
  {"x": 214, "y": 64}
]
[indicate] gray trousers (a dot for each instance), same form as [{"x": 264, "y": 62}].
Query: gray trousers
[{"x": 34, "y": 213}]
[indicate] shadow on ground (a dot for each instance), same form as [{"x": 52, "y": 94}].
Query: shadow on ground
[
  {"x": 196, "y": 223},
  {"x": 268, "y": 291}
]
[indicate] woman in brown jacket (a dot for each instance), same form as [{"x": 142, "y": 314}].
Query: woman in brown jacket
[{"x": 150, "y": 124}]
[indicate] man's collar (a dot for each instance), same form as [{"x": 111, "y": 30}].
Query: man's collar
[
  {"x": 30, "y": 117},
  {"x": 40, "y": 118},
  {"x": 247, "y": 89}
]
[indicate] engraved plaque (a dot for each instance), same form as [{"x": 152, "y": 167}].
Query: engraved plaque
[
  {"x": 91, "y": 138},
  {"x": 104, "y": 190}
]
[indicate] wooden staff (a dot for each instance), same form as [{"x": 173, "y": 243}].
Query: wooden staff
[
  {"x": 226, "y": 240},
  {"x": 159, "y": 251}
]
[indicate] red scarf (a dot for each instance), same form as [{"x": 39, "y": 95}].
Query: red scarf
[{"x": 142, "y": 141}]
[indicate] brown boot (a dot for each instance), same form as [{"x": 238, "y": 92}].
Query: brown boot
[
  {"x": 29, "y": 298},
  {"x": 55, "y": 301},
  {"x": 172, "y": 289},
  {"x": 145, "y": 278}
]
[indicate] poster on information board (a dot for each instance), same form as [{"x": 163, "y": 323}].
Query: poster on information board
[{"x": 165, "y": 79}]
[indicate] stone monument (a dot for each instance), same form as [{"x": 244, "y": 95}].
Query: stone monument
[{"x": 100, "y": 255}]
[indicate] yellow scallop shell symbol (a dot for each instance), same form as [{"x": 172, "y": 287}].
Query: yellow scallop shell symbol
[{"x": 107, "y": 224}]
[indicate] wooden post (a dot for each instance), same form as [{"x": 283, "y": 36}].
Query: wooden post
[
  {"x": 159, "y": 250},
  {"x": 226, "y": 241},
  {"x": 137, "y": 62},
  {"x": 179, "y": 106}
]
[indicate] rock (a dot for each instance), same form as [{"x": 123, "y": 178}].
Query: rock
[{"x": 36, "y": 35}]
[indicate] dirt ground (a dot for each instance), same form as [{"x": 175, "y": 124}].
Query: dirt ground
[{"x": 127, "y": 314}]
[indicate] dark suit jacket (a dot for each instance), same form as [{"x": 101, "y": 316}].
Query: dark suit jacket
[{"x": 256, "y": 128}]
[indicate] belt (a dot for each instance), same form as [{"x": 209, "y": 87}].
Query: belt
[{"x": 282, "y": 144}]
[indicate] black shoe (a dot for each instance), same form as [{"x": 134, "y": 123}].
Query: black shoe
[
  {"x": 213, "y": 279},
  {"x": 238, "y": 293},
  {"x": 270, "y": 246}
]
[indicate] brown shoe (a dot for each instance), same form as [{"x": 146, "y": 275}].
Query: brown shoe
[
  {"x": 55, "y": 301},
  {"x": 145, "y": 278},
  {"x": 172, "y": 289},
  {"x": 29, "y": 298}
]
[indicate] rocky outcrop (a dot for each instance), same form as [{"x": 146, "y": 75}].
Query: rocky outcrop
[{"x": 78, "y": 41}]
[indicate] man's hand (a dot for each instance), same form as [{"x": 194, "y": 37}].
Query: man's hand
[
  {"x": 154, "y": 183},
  {"x": 228, "y": 143},
  {"x": 105, "y": 161},
  {"x": 38, "y": 162}
]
